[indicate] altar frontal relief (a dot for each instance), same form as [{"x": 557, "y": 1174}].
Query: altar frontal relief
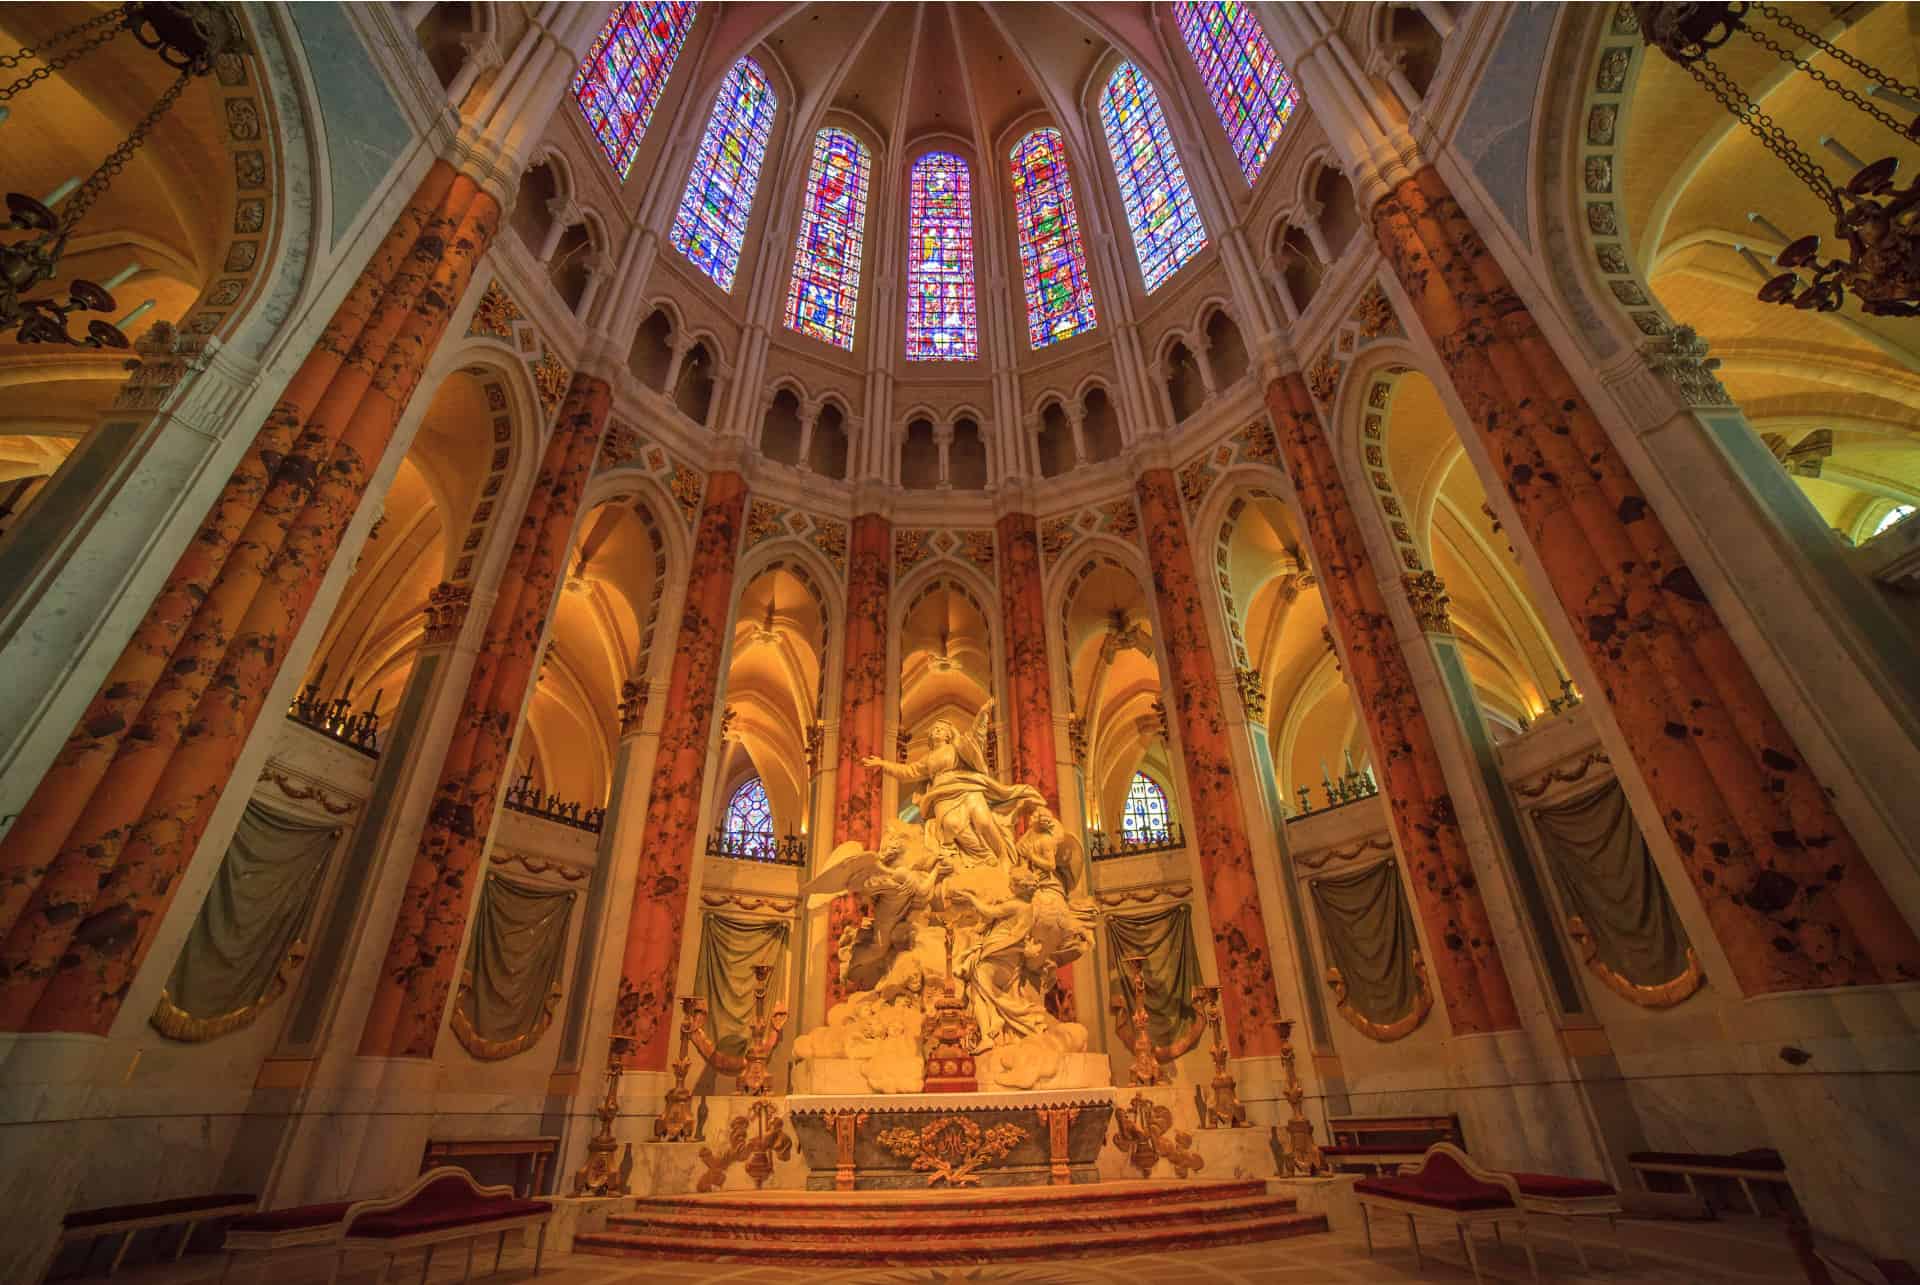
[{"x": 981, "y": 895}]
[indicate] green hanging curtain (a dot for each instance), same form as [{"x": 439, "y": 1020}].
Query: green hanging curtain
[
  {"x": 1172, "y": 970},
  {"x": 1618, "y": 911},
  {"x": 514, "y": 967},
  {"x": 729, "y": 948},
  {"x": 235, "y": 958},
  {"x": 1378, "y": 980}
]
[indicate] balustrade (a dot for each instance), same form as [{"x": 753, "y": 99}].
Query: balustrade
[
  {"x": 523, "y": 796},
  {"x": 786, "y": 850},
  {"x": 1102, "y": 846},
  {"x": 335, "y": 718}
]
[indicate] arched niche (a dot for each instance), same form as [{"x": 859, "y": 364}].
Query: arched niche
[
  {"x": 967, "y": 456},
  {"x": 919, "y": 457},
  {"x": 780, "y": 428}
]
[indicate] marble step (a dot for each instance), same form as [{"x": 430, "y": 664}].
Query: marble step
[
  {"x": 989, "y": 1222},
  {"x": 939, "y": 1199}
]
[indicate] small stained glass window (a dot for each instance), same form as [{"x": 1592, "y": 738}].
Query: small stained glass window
[
  {"x": 627, "y": 65},
  {"x": 748, "y": 826},
  {"x": 1053, "y": 263},
  {"x": 941, "y": 320},
  {"x": 1153, "y": 184},
  {"x": 1144, "y": 819},
  {"x": 1892, "y": 518},
  {"x": 1252, "y": 93},
  {"x": 712, "y": 220},
  {"x": 824, "y": 290}
]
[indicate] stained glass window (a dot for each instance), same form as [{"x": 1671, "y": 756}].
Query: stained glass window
[
  {"x": 825, "y": 287},
  {"x": 1144, "y": 820},
  {"x": 941, "y": 321},
  {"x": 1252, "y": 93},
  {"x": 1891, "y": 519},
  {"x": 1153, "y": 184},
  {"x": 626, "y": 67},
  {"x": 712, "y": 219},
  {"x": 747, "y": 829},
  {"x": 1052, "y": 260}
]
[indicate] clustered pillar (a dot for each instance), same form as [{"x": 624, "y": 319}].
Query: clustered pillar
[
  {"x": 1473, "y": 981},
  {"x": 652, "y": 956},
  {"x": 89, "y": 868},
  {"x": 857, "y": 812},
  {"x": 1792, "y": 898},
  {"x": 422, "y": 957}
]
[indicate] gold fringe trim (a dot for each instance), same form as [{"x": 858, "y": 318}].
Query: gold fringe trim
[
  {"x": 1385, "y": 1032},
  {"x": 176, "y": 1023},
  {"x": 1659, "y": 995},
  {"x": 487, "y": 1050}
]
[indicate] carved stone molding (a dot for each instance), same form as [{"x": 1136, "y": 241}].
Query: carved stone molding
[
  {"x": 1561, "y": 774},
  {"x": 305, "y": 792},
  {"x": 1317, "y": 858},
  {"x": 1145, "y": 896}
]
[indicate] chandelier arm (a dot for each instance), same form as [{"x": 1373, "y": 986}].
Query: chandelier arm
[
  {"x": 40, "y": 73},
  {"x": 114, "y": 18},
  {"x": 116, "y": 160},
  {"x": 1775, "y": 139},
  {"x": 1834, "y": 52},
  {"x": 1828, "y": 82}
]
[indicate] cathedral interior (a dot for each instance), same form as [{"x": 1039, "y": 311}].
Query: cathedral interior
[{"x": 922, "y": 641}]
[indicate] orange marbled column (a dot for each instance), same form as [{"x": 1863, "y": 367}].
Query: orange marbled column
[
  {"x": 658, "y": 922},
  {"x": 1248, "y": 995},
  {"x": 1031, "y": 757},
  {"x": 1466, "y": 964},
  {"x": 423, "y": 954},
  {"x": 92, "y": 864},
  {"x": 857, "y": 814},
  {"x": 1791, "y": 897}
]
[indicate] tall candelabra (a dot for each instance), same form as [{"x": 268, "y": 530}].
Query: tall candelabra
[
  {"x": 676, "y": 1123},
  {"x": 763, "y": 1035},
  {"x": 1224, "y": 1110},
  {"x": 600, "y": 1176},
  {"x": 1150, "y": 1059},
  {"x": 1299, "y": 1156}
]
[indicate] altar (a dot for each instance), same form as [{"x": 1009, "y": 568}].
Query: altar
[{"x": 913, "y": 1141}]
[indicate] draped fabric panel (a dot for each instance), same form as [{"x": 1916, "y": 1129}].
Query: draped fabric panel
[
  {"x": 248, "y": 929},
  {"x": 514, "y": 966},
  {"x": 729, "y": 948},
  {"x": 1370, "y": 939},
  {"x": 1606, "y": 877},
  {"x": 1172, "y": 970}
]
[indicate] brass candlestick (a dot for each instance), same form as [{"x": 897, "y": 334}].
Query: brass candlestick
[
  {"x": 600, "y": 1176},
  {"x": 1149, "y": 1059},
  {"x": 676, "y": 1117},
  {"x": 763, "y": 1036},
  {"x": 1301, "y": 1156},
  {"x": 1225, "y": 1111}
]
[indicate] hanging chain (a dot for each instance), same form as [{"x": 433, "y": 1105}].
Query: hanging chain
[
  {"x": 40, "y": 73},
  {"x": 1771, "y": 136},
  {"x": 117, "y": 159},
  {"x": 1834, "y": 52},
  {"x": 1814, "y": 73},
  {"x": 113, "y": 17}
]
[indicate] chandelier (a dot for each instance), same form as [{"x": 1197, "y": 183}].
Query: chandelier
[
  {"x": 187, "y": 37},
  {"x": 1878, "y": 224}
]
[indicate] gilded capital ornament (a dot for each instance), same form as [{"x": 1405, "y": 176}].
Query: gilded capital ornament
[{"x": 1427, "y": 594}]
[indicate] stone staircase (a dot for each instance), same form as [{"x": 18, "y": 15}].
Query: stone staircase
[{"x": 911, "y": 1228}]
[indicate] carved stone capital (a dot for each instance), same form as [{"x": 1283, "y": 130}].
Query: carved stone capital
[
  {"x": 447, "y": 607},
  {"x": 1679, "y": 358},
  {"x": 1427, "y": 595}
]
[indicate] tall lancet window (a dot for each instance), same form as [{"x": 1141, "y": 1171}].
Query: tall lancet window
[
  {"x": 824, "y": 291},
  {"x": 1144, "y": 817},
  {"x": 1153, "y": 185},
  {"x": 942, "y": 324},
  {"x": 626, "y": 67},
  {"x": 712, "y": 219},
  {"x": 1052, "y": 261},
  {"x": 1252, "y": 93}
]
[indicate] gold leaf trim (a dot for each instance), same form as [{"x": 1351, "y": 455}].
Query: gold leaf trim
[
  {"x": 487, "y": 1050},
  {"x": 176, "y": 1023},
  {"x": 309, "y": 794},
  {"x": 1385, "y": 1032},
  {"x": 1326, "y": 856},
  {"x": 953, "y": 1147},
  {"x": 1659, "y": 995}
]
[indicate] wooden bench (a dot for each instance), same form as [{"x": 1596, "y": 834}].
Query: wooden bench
[
  {"x": 88, "y": 1224},
  {"x": 1380, "y": 1143},
  {"x": 532, "y": 1156},
  {"x": 1452, "y": 1188},
  {"x": 1762, "y": 1164}
]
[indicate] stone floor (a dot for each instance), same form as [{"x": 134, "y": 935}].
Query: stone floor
[{"x": 1663, "y": 1254}]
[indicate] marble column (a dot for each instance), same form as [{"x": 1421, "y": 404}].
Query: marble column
[
  {"x": 1466, "y": 961},
  {"x": 857, "y": 811},
  {"x": 1219, "y": 844},
  {"x": 423, "y": 955},
  {"x": 651, "y": 959},
  {"x": 90, "y": 866},
  {"x": 1791, "y": 896}
]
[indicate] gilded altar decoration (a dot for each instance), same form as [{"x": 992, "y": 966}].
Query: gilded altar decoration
[
  {"x": 1659, "y": 995},
  {"x": 1298, "y": 1154},
  {"x": 600, "y": 1176},
  {"x": 763, "y": 1036},
  {"x": 1144, "y": 1130},
  {"x": 1400, "y": 1027},
  {"x": 1058, "y": 1122},
  {"x": 759, "y": 1138},
  {"x": 675, "y": 1122},
  {"x": 1222, "y": 1109},
  {"x": 952, "y": 1149},
  {"x": 1427, "y": 595},
  {"x": 991, "y": 866},
  {"x": 1150, "y": 1060},
  {"x": 846, "y": 1132}
]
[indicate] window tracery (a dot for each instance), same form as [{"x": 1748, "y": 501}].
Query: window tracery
[
  {"x": 1144, "y": 817},
  {"x": 711, "y": 223},
  {"x": 618, "y": 84},
  {"x": 1053, "y": 261},
  {"x": 1252, "y": 93},
  {"x": 942, "y": 324},
  {"x": 1153, "y": 184},
  {"x": 748, "y": 824},
  {"x": 823, "y": 292}
]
